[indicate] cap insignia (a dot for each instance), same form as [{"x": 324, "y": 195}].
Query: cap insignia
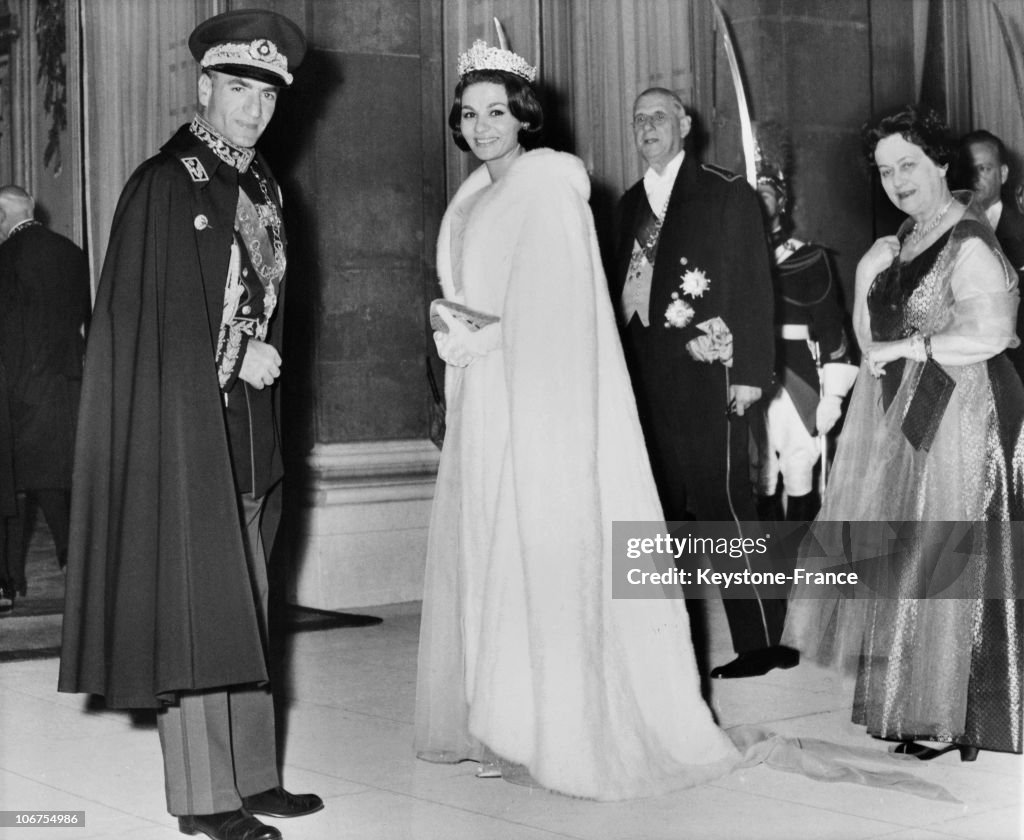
[{"x": 262, "y": 53}]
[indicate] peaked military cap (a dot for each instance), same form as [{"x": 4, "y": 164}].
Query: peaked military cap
[{"x": 251, "y": 43}]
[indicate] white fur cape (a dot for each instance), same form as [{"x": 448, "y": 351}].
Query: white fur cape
[{"x": 523, "y": 649}]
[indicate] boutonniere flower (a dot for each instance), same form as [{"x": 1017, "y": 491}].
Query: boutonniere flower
[
  {"x": 715, "y": 345},
  {"x": 695, "y": 283},
  {"x": 679, "y": 312}
]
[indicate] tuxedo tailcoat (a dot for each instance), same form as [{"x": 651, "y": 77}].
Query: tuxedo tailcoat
[
  {"x": 44, "y": 283},
  {"x": 713, "y": 225},
  {"x": 1010, "y": 233},
  {"x": 699, "y": 451}
]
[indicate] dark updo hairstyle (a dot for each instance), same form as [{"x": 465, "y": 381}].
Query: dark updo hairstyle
[
  {"x": 916, "y": 124},
  {"x": 522, "y": 104}
]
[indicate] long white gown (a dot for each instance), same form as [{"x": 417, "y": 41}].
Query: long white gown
[{"x": 522, "y": 648}]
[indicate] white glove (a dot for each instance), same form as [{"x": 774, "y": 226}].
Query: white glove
[
  {"x": 450, "y": 351},
  {"x": 827, "y": 414},
  {"x": 837, "y": 378},
  {"x": 460, "y": 345}
]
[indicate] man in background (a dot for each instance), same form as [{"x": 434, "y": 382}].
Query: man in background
[
  {"x": 693, "y": 290},
  {"x": 985, "y": 169},
  {"x": 44, "y": 286}
]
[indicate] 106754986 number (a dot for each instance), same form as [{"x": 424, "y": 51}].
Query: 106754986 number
[{"x": 34, "y": 819}]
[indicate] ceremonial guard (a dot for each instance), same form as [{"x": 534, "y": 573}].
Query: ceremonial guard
[{"x": 812, "y": 355}]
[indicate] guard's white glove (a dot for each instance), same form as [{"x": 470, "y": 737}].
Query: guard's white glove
[
  {"x": 837, "y": 379},
  {"x": 827, "y": 414},
  {"x": 460, "y": 345}
]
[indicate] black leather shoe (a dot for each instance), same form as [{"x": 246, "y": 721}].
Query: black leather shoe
[
  {"x": 228, "y": 825},
  {"x": 277, "y": 802},
  {"x": 754, "y": 663}
]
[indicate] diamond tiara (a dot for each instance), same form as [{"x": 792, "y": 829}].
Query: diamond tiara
[{"x": 482, "y": 57}]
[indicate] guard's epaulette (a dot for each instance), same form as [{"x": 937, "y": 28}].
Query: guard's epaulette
[
  {"x": 811, "y": 254},
  {"x": 724, "y": 174}
]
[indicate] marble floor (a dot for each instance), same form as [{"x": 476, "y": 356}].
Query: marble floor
[{"x": 348, "y": 718}]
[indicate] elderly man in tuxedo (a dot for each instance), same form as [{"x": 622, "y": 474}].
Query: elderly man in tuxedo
[{"x": 692, "y": 286}]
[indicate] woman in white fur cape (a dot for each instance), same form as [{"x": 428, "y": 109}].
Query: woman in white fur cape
[{"x": 526, "y": 662}]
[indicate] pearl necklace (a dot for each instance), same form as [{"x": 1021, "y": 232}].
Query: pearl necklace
[{"x": 917, "y": 235}]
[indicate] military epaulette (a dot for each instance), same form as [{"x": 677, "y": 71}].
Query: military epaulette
[
  {"x": 724, "y": 174},
  {"x": 195, "y": 169}
]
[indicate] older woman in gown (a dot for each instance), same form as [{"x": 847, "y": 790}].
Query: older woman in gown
[
  {"x": 936, "y": 300},
  {"x": 524, "y": 654}
]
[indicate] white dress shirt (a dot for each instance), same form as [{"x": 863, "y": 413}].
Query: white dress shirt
[
  {"x": 636, "y": 293},
  {"x": 659, "y": 186},
  {"x": 994, "y": 212}
]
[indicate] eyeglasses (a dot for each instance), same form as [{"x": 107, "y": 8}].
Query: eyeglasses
[{"x": 657, "y": 119}]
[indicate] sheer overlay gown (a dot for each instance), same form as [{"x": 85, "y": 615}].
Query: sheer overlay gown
[{"x": 938, "y": 668}]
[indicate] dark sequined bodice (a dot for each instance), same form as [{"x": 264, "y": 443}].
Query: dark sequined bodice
[{"x": 901, "y": 300}]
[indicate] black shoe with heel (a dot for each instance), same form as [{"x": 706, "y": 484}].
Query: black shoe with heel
[
  {"x": 757, "y": 662},
  {"x": 923, "y": 753}
]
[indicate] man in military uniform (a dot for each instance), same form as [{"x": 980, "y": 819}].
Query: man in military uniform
[
  {"x": 812, "y": 356},
  {"x": 692, "y": 287},
  {"x": 178, "y": 453}
]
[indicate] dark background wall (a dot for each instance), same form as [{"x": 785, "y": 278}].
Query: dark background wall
[
  {"x": 356, "y": 145},
  {"x": 25, "y": 122},
  {"x": 360, "y": 146}
]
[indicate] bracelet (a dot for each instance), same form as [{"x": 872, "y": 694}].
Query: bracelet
[{"x": 919, "y": 348}]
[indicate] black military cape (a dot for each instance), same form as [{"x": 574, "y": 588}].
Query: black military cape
[{"x": 159, "y": 598}]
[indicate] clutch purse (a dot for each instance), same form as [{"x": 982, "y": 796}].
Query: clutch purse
[
  {"x": 472, "y": 318},
  {"x": 924, "y": 414}
]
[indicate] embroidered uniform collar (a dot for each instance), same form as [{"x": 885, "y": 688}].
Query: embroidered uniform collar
[
  {"x": 659, "y": 186},
  {"x": 228, "y": 152},
  {"x": 26, "y": 223}
]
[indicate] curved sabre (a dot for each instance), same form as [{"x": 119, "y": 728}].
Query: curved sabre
[
  {"x": 502, "y": 37},
  {"x": 746, "y": 127}
]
